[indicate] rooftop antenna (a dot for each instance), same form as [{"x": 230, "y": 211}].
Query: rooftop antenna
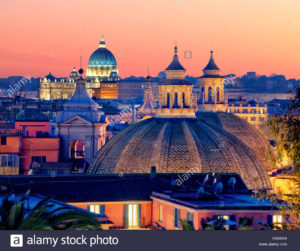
[{"x": 80, "y": 62}]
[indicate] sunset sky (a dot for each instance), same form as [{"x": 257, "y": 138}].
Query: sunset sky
[{"x": 39, "y": 36}]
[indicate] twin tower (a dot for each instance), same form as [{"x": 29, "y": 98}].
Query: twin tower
[{"x": 175, "y": 93}]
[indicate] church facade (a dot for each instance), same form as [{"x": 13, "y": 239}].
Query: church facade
[{"x": 81, "y": 126}]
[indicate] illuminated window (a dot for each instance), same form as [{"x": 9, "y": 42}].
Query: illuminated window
[
  {"x": 277, "y": 221},
  {"x": 133, "y": 215},
  {"x": 160, "y": 212},
  {"x": 97, "y": 209}
]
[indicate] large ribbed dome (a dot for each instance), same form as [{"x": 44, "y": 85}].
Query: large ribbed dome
[
  {"x": 217, "y": 142},
  {"x": 102, "y": 57}
]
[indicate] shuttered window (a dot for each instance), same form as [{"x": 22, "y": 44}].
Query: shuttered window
[{"x": 176, "y": 217}]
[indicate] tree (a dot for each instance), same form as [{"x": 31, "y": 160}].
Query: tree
[
  {"x": 286, "y": 129},
  {"x": 43, "y": 216}
]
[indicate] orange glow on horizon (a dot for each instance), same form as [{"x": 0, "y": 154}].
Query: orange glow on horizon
[{"x": 38, "y": 37}]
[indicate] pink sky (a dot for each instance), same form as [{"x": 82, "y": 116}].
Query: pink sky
[{"x": 247, "y": 35}]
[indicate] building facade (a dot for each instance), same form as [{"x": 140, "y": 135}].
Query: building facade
[
  {"x": 139, "y": 201},
  {"x": 81, "y": 126},
  {"x": 101, "y": 78},
  {"x": 26, "y": 143}
]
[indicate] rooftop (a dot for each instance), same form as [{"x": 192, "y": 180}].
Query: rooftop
[
  {"x": 114, "y": 187},
  {"x": 224, "y": 202}
]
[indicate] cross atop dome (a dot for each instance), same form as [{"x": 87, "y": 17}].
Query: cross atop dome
[
  {"x": 175, "y": 48},
  {"x": 102, "y": 42}
]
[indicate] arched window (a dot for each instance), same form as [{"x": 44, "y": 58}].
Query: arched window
[
  {"x": 218, "y": 94},
  {"x": 183, "y": 100},
  {"x": 175, "y": 100},
  {"x": 77, "y": 150},
  {"x": 210, "y": 94},
  {"x": 168, "y": 100}
]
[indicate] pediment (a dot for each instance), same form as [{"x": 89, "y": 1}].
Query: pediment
[{"x": 77, "y": 120}]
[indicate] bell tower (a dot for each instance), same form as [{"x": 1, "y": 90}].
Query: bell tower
[
  {"x": 211, "y": 86},
  {"x": 175, "y": 93}
]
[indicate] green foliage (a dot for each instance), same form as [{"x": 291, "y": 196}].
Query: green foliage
[
  {"x": 43, "y": 217},
  {"x": 287, "y": 130},
  {"x": 245, "y": 223},
  {"x": 186, "y": 225}
]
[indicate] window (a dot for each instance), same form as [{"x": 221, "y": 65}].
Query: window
[
  {"x": 160, "y": 212},
  {"x": 176, "y": 217},
  {"x": 175, "y": 100},
  {"x": 9, "y": 160},
  {"x": 210, "y": 94},
  {"x": 261, "y": 119},
  {"x": 168, "y": 100},
  {"x": 277, "y": 221},
  {"x": 38, "y": 159},
  {"x": 218, "y": 94},
  {"x": 190, "y": 218},
  {"x": 133, "y": 215},
  {"x": 253, "y": 119},
  {"x": 97, "y": 209},
  {"x": 3, "y": 140},
  {"x": 183, "y": 100}
]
